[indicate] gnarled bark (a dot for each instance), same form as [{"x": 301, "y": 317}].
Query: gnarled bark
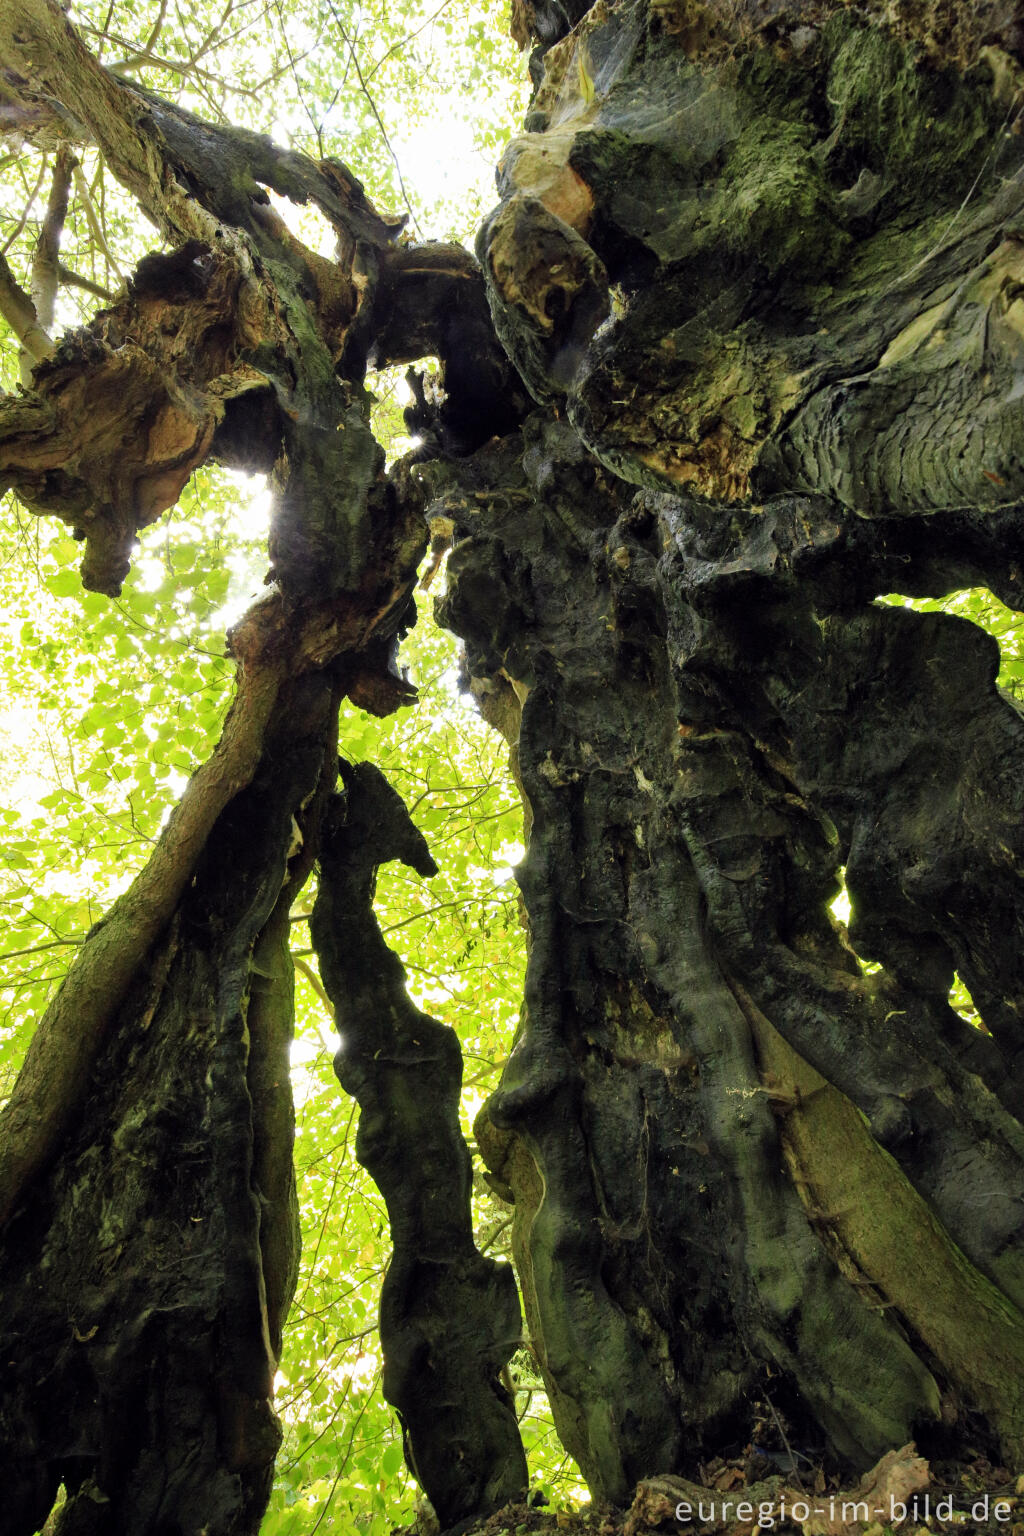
[
  {"x": 449, "y": 1318},
  {"x": 146, "y": 1150},
  {"x": 767, "y": 257},
  {"x": 677, "y": 882},
  {"x": 759, "y": 268},
  {"x": 138, "y": 1326}
]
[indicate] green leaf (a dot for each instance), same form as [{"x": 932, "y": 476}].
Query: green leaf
[
  {"x": 391, "y": 1460},
  {"x": 64, "y": 583}
]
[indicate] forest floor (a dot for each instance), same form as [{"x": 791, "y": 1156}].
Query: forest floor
[{"x": 750, "y": 1493}]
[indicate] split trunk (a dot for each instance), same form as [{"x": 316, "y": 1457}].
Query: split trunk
[{"x": 756, "y": 274}]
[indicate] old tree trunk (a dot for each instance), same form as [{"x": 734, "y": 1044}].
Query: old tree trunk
[{"x": 756, "y": 274}]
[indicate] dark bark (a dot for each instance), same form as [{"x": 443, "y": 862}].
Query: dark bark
[
  {"x": 146, "y": 1178},
  {"x": 771, "y": 259},
  {"x": 759, "y": 267},
  {"x": 431, "y": 302},
  {"x": 667, "y": 1262},
  {"x": 676, "y": 884},
  {"x": 138, "y": 1325},
  {"x": 449, "y": 1318}
]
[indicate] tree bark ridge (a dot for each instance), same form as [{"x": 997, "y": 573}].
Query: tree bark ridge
[{"x": 449, "y": 1318}]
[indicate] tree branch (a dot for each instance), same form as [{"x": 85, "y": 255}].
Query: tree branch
[
  {"x": 19, "y": 312},
  {"x": 74, "y": 1026},
  {"x": 72, "y": 279},
  {"x": 314, "y": 981},
  {"x": 46, "y": 262},
  {"x": 23, "y": 216},
  {"x": 95, "y": 225},
  {"x": 190, "y": 177}
]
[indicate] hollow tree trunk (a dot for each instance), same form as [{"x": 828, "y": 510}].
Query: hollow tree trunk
[
  {"x": 146, "y": 1187},
  {"x": 760, "y": 271}
]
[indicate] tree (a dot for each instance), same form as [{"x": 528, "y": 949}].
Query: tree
[{"x": 755, "y": 277}]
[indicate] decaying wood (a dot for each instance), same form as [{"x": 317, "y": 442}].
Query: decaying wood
[
  {"x": 758, "y": 267},
  {"x": 146, "y": 1161},
  {"x": 772, "y": 304},
  {"x": 449, "y": 1318}
]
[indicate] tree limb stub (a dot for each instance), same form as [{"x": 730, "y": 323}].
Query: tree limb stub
[
  {"x": 128, "y": 407},
  {"x": 449, "y": 1319},
  {"x": 202, "y": 186},
  {"x": 195, "y": 335},
  {"x": 432, "y": 302}
]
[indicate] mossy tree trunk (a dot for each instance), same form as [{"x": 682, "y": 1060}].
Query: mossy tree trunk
[
  {"x": 759, "y": 267},
  {"x": 759, "y": 270},
  {"x": 146, "y": 1187}
]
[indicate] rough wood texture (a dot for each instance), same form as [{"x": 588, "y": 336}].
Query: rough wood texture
[
  {"x": 449, "y": 1318},
  {"x": 665, "y": 1262},
  {"x": 135, "y": 1309},
  {"x": 818, "y": 225},
  {"x": 771, "y": 257},
  {"x": 686, "y": 840},
  {"x": 146, "y": 1183},
  {"x": 759, "y": 267},
  {"x": 241, "y": 328}
]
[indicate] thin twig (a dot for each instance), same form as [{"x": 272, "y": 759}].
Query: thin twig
[
  {"x": 317, "y": 128},
  {"x": 34, "y": 949},
  {"x": 23, "y": 219},
  {"x": 376, "y": 114},
  {"x": 794, "y": 1469},
  {"x": 93, "y": 220},
  {"x": 315, "y": 983}
]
